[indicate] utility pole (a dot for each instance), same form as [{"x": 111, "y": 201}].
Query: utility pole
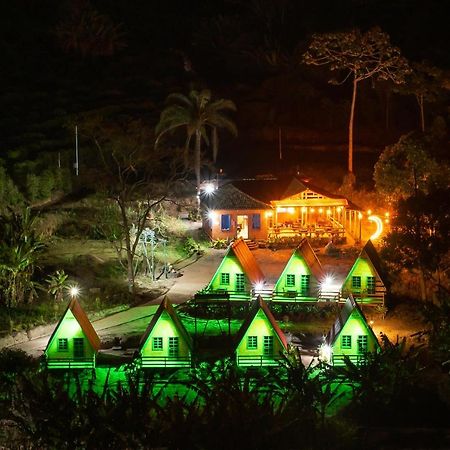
[{"x": 76, "y": 150}]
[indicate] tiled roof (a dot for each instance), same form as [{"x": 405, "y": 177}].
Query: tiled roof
[
  {"x": 167, "y": 307},
  {"x": 229, "y": 197},
  {"x": 82, "y": 319},
  {"x": 305, "y": 249},
  {"x": 247, "y": 261},
  {"x": 257, "y": 305}
]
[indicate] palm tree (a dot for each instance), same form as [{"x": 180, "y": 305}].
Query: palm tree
[{"x": 201, "y": 116}]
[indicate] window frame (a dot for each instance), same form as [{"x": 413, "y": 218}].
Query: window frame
[
  {"x": 268, "y": 349},
  {"x": 225, "y": 276},
  {"x": 157, "y": 344},
  {"x": 371, "y": 284},
  {"x": 344, "y": 344},
  {"x": 63, "y": 348},
  {"x": 290, "y": 280},
  {"x": 256, "y": 221},
  {"x": 172, "y": 353},
  {"x": 356, "y": 282},
  {"x": 240, "y": 282},
  {"x": 225, "y": 222},
  {"x": 252, "y": 342}
]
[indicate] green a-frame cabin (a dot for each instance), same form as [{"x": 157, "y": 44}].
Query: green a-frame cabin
[
  {"x": 350, "y": 336},
  {"x": 165, "y": 343},
  {"x": 301, "y": 276},
  {"x": 238, "y": 275},
  {"x": 366, "y": 280},
  {"x": 74, "y": 343},
  {"x": 260, "y": 341}
]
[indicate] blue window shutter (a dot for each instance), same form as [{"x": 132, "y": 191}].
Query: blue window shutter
[
  {"x": 225, "y": 222},
  {"x": 256, "y": 221}
]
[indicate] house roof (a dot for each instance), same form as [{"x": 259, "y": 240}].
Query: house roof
[
  {"x": 370, "y": 252},
  {"x": 305, "y": 250},
  {"x": 343, "y": 315},
  {"x": 166, "y": 306},
  {"x": 85, "y": 324},
  {"x": 248, "y": 262},
  {"x": 257, "y": 305},
  {"x": 274, "y": 189},
  {"x": 231, "y": 197}
]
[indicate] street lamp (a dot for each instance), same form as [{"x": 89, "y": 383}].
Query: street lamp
[{"x": 74, "y": 291}]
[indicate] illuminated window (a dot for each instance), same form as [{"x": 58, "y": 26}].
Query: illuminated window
[
  {"x": 252, "y": 342},
  {"x": 173, "y": 346},
  {"x": 78, "y": 347},
  {"x": 63, "y": 345},
  {"x": 356, "y": 282},
  {"x": 157, "y": 343},
  {"x": 268, "y": 345},
  {"x": 225, "y": 278},
  {"x": 290, "y": 280},
  {"x": 362, "y": 344},
  {"x": 346, "y": 341},
  {"x": 240, "y": 282},
  {"x": 371, "y": 285},
  {"x": 304, "y": 284}
]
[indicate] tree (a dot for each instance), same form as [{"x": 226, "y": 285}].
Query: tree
[
  {"x": 19, "y": 249},
  {"x": 409, "y": 166},
  {"x": 137, "y": 176},
  {"x": 359, "y": 56},
  {"x": 425, "y": 83},
  {"x": 202, "y": 117}
]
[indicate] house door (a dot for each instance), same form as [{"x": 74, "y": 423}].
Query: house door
[
  {"x": 173, "y": 347},
  {"x": 268, "y": 346},
  {"x": 78, "y": 347},
  {"x": 242, "y": 227}
]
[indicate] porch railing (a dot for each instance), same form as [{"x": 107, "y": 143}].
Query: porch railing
[
  {"x": 66, "y": 363},
  {"x": 258, "y": 361},
  {"x": 165, "y": 361}
]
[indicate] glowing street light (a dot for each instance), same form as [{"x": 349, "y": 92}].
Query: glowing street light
[
  {"x": 74, "y": 291},
  {"x": 209, "y": 188}
]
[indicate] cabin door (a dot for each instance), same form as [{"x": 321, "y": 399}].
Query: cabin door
[
  {"x": 78, "y": 347},
  {"x": 242, "y": 227}
]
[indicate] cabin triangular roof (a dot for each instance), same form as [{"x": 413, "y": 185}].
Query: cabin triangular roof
[
  {"x": 85, "y": 324},
  {"x": 167, "y": 307},
  {"x": 247, "y": 261},
  {"x": 370, "y": 252},
  {"x": 257, "y": 305},
  {"x": 230, "y": 197},
  {"x": 349, "y": 307},
  {"x": 305, "y": 250}
]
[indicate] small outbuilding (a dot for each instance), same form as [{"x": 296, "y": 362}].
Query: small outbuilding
[
  {"x": 260, "y": 341},
  {"x": 74, "y": 343},
  {"x": 350, "y": 336},
  {"x": 366, "y": 280},
  {"x": 238, "y": 274},
  {"x": 165, "y": 343},
  {"x": 301, "y": 276}
]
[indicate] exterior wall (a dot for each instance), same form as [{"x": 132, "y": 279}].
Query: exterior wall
[
  {"x": 212, "y": 226},
  {"x": 231, "y": 265},
  {"x": 297, "y": 266},
  {"x": 164, "y": 328},
  {"x": 69, "y": 329},
  {"x": 354, "y": 327},
  {"x": 362, "y": 268},
  {"x": 260, "y": 327}
]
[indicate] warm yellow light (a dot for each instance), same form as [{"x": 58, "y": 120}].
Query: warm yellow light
[
  {"x": 320, "y": 210},
  {"x": 74, "y": 291},
  {"x": 281, "y": 209},
  {"x": 328, "y": 212},
  {"x": 211, "y": 215},
  {"x": 387, "y": 220},
  {"x": 312, "y": 209},
  {"x": 379, "y": 224},
  {"x": 269, "y": 213},
  {"x": 369, "y": 212},
  {"x": 339, "y": 209},
  {"x": 303, "y": 208},
  {"x": 359, "y": 216},
  {"x": 291, "y": 210},
  {"x": 386, "y": 214}
]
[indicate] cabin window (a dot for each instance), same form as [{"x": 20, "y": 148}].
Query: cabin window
[
  {"x": 256, "y": 221},
  {"x": 304, "y": 284},
  {"x": 346, "y": 342},
  {"x": 356, "y": 282},
  {"x": 225, "y": 222},
  {"x": 63, "y": 345},
  {"x": 225, "y": 278},
  {"x": 362, "y": 344},
  {"x": 371, "y": 285},
  {"x": 252, "y": 342},
  {"x": 268, "y": 345},
  {"x": 78, "y": 347},
  {"x": 290, "y": 280},
  {"x": 157, "y": 343},
  {"x": 173, "y": 346},
  {"x": 240, "y": 282}
]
